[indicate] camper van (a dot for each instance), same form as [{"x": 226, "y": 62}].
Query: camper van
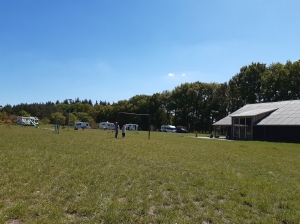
[
  {"x": 168, "y": 128},
  {"x": 106, "y": 126},
  {"x": 132, "y": 127},
  {"x": 27, "y": 121},
  {"x": 82, "y": 125}
]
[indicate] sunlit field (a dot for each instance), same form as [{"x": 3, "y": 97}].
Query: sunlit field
[{"x": 91, "y": 177}]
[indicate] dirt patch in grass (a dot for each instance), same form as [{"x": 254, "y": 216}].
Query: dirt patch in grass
[{"x": 15, "y": 221}]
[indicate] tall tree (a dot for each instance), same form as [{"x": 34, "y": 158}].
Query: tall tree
[{"x": 158, "y": 115}]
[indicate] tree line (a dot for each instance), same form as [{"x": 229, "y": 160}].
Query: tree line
[{"x": 193, "y": 105}]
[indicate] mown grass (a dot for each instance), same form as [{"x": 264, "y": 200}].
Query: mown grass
[{"x": 91, "y": 177}]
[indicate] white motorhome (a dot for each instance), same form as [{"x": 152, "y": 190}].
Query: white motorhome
[
  {"x": 82, "y": 125},
  {"x": 27, "y": 121},
  {"x": 132, "y": 127},
  {"x": 168, "y": 128},
  {"x": 106, "y": 126}
]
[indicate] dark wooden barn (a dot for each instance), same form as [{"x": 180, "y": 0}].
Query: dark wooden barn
[{"x": 275, "y": 121}]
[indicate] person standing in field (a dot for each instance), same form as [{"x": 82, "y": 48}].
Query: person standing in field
[
  {"x": 116, "y": 130},
  {"x": 123, "y": 131}
]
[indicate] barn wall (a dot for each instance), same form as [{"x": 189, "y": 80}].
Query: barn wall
[{"x": 277, "y": 133}]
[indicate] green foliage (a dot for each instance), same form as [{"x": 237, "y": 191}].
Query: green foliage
[
  {"x": 23, "y": 113},
  {"x": 80, "y": 107},
  {"x": 63, "y": 107},
  {"x": 84, "y": 117},
  {"x": 44, "y": 121},
  {"x": 88, "y": 119},
  {"x": 73, "y": 119},
  {"x": 104, "y": 113},
  {"x": 55, "y": 116}
]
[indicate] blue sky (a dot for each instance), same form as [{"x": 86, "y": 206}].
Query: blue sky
[{"x": 112, "y": 50}]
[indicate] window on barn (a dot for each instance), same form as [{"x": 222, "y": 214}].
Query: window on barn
[{"x": 242, "y": 128}]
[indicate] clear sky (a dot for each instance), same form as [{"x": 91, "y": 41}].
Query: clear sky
[{"x": 112, "y": 50}]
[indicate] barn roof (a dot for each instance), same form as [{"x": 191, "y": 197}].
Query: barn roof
[{"x": 277, "y": 113}]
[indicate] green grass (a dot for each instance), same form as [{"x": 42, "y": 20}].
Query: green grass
[{"x": 91, "y": 177}]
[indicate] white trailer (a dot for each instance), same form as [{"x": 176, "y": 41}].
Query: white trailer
[
  {"x": 82, "y": 125},
  {"x": 27, "y": 121},
  {"x": 132, "y": 127},
  {"x": 106, "y": 126}
]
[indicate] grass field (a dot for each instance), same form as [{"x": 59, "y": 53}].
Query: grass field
[{"x": 91, "y": 177}]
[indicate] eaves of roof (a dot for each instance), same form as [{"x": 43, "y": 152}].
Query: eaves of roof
[{"x": 281, "y": 113}]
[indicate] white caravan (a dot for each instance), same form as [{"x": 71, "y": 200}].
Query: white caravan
[
  {"x": 27, "y": 121},
  {"x": 106, "y": 126},
  {"x": 168, "y": 128},
  {"x": 82, "y": 125},
  {"x": 132, "y": 127}
]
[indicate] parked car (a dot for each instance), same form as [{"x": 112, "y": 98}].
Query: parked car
[
  {"x": 168, "y": 128},
  {"x": 181, "y": 130}
]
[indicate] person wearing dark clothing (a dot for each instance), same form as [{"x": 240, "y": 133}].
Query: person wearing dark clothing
[{"x": 116, "y": 130}]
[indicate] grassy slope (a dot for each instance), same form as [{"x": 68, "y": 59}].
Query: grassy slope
[{"x": 91, "y": 177}]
